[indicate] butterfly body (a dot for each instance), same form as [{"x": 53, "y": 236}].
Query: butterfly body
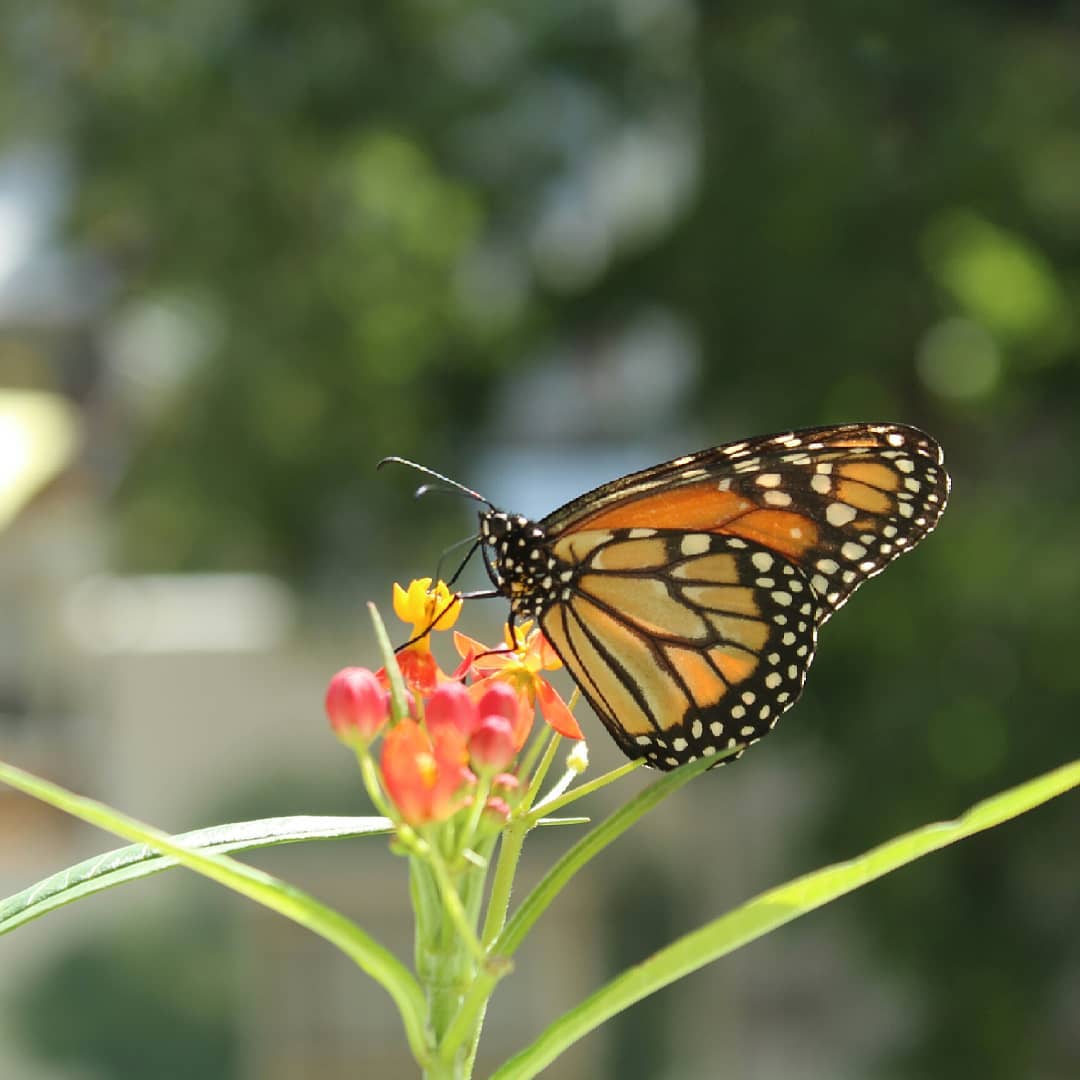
[{"x": 685, "y": 599}]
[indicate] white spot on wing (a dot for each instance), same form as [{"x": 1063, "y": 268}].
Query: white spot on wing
[
  {"x": 694, "y": 544},
  {"x": 839, "y": 514}
]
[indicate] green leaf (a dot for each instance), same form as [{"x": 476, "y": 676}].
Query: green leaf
[
  {"x": 772, "y": 909},
  {"x": 269, "y": 891},
  {"x": 390, "y": 664},
  {"x": 121, "y": 865}
]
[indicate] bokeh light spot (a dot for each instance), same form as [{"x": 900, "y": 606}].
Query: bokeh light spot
[
  {"x": 958, "y": 358},
  {"x": 998, "y": 277}
]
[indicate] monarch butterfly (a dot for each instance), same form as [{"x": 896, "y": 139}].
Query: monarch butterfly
[{"x": 685, "y": 599}]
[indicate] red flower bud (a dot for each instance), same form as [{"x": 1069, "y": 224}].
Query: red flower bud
[
  {"x": 357, "y": 705},
  {"x": 501, "y": 699},
  {"x": 451, "y": 706},
  {"x": 491, "y": 745}
]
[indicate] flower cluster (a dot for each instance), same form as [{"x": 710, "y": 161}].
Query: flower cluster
[{"x": 455, "y": 741}]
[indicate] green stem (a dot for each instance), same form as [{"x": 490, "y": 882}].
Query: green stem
[
  {"x": 425, "y": 901},
  {"x": 550, "y": 805},
  {"x": 448, "y": 948},
  {"x": 466, "y": 1027},
  {"x": 513, "y": 839},
  {"x": 453, "y": 907},
  {"x": 542, "y": 740},
  {"x": 541, "y": 771},
  {"x": 369, "y": 773},
  {"x": 480, "y": 798}
]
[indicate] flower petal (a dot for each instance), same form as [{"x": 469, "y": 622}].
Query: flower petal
[
  {"x": 555, "y": 712},
  {"x": 482, "y": 658}
]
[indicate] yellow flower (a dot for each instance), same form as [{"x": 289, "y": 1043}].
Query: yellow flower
[{"x": 426, "y": 608}]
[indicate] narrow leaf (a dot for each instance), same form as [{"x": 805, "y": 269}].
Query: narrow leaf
[
  {"x": 772, "y": 909},
  {"x": 269, "y": 891},
  {"x": 121, "y": 865}
]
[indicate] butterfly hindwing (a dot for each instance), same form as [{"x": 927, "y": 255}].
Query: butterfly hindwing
[{"x": 684, "y": 643}]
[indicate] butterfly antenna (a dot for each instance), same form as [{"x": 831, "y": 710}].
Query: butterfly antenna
[{"x": 452, "y": 485}]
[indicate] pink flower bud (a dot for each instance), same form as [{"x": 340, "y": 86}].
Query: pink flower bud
[
  {"x": 357, "y": 705},
  {"x": 497, "y": 811},
  {"x": 451, "y": 706},
  {"x": 505, "y": 781},
  {"x": 491, "y": 745},
  {"x": 500, "y": 699}
]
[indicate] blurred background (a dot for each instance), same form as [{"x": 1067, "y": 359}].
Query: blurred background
[{"x": 248, "y": 247}]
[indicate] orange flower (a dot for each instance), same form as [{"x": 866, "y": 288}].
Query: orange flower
[
  {"x": 520, "y": 664},
  {"x": 424, "y": 772}
]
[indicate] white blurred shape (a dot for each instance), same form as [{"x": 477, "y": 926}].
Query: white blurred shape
[
  {"x": 180, "y": 613},
  {"x": 492, "y": 285},
  {"x": 156, "y": 344},
  {"x": 571, "y": 243},
  {"x": 643, "y": 178},
  {"x": 16, "y": 236}
]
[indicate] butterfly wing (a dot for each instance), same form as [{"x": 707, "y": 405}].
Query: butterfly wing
[
  {"x": 840, "y": 503},
  {"x": 684, "y": 643}
]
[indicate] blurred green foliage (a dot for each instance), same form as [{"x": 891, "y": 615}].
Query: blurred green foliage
[
  {"x": 372, "y": 218},
  {"x": 103, "y": 1005}
]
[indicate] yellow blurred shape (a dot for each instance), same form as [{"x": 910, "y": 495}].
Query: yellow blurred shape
[{"x": 38, "y": 437}]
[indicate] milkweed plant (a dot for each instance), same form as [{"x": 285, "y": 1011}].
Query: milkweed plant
[{"x": 462, "y": 766}]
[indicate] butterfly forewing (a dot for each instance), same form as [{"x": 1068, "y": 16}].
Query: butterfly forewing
[{"x": 841, "y": 502}]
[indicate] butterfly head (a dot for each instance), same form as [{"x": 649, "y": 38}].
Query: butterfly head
[{"x": 518, "y": 560}]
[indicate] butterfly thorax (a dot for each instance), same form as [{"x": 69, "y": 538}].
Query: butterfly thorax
[{"x": 520, "y": 562}]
